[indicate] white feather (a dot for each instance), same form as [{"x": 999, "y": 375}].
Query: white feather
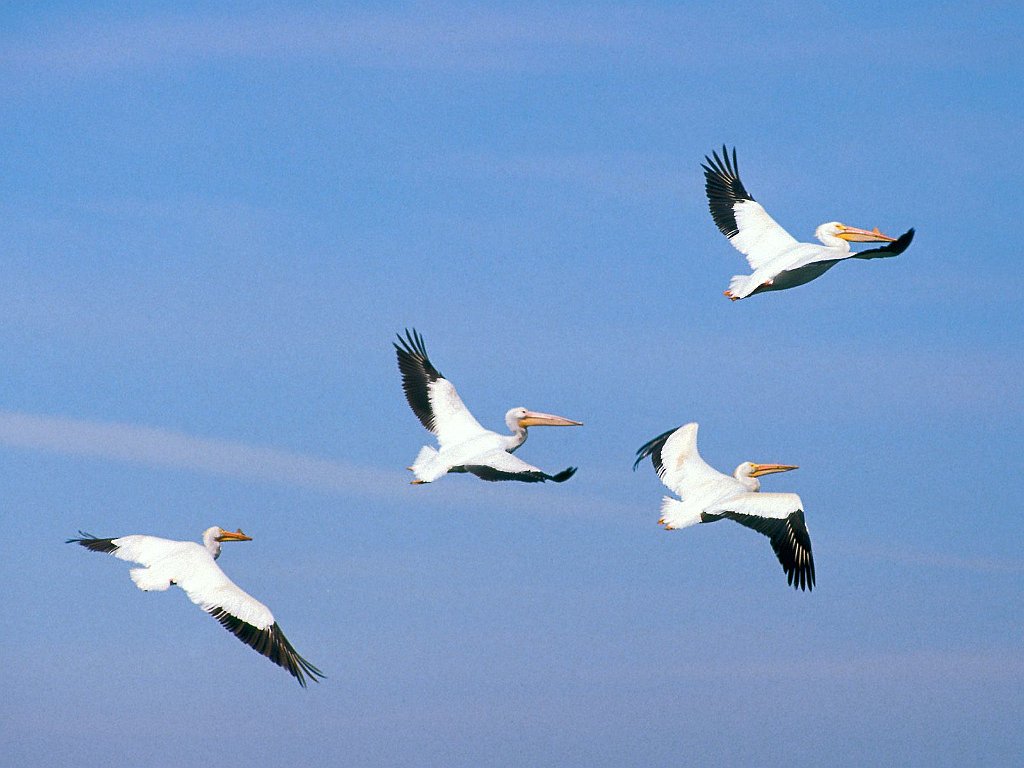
[
  {"x": 684, "y": 469},
  {"x": 453, "y": 423},
  {"x": 192, "y": 567},
  {"x": 677, "y": 514},
  {"x": 759, "y": 236},
  {"x": 774, "y": 505}
]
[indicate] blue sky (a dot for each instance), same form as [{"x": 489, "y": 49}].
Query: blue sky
[{"x": 215, "y": 221}]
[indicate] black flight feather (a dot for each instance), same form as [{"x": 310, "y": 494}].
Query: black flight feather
[
  {"x": 417, "y": 374},
  {"x": 895, "y": 248},
  {"x": 485, "y": 472},
  {"x": 724, "y": 189},
  {"x": 653, "y": 448},
  {"x": 270, "y": 642},
  {"x": 93, "y": 544},
  {"x": 790, "y": 541}
]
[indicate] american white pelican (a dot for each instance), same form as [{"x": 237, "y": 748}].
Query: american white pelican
[
  {"x": 708, "y": 495},
  {"x": 465, "y": 446},
  {"x": 777, "y": 259},
  {"x": 191, "y": 566}
]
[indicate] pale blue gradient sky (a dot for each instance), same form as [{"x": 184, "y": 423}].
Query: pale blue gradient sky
[{"x": 214, "y": 222}]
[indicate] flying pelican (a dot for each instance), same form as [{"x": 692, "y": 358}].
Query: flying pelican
[
  {"x": 777, "y": 259},
  {"x": 465, "y": 446},
  {"x": 191, "y": 566},
  {"x": 708, "y": 495}
]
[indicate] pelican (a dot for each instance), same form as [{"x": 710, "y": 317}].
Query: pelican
[
  {"x": 191, "y": 566},
  {"x": 707, "y": 495},
  {"x": 465, "y": 446},
  {"x": 778, "y": 261}
]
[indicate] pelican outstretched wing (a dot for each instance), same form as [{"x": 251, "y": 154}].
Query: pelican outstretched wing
[
  {"x": 246, "y": 618},
  {"x": 780, "y": 517},
  {"x": 136, "y": 548},
  {"x": 431, "y": 396},
  {"x": 738, "y": 216},
  {"x": 677, "y": 461},
  {"x": 502, "y": 465}
]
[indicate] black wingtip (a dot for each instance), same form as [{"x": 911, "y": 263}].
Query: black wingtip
[
  {"x": 653, "y": 448},
  {"x": 301, "y": 669},
  {"x": 802, "y": 578},
  {"x": 901, "y": 243},
  {"x": 411, "y": 343},
  {"x": 93, "y": 543},
  {"x": 895, "y": 248},
  {"x": 723, "y": 189},
  {"x": 84, "y": 537},
  {"x": 271, "y": 643},
  {"x": 417, "y": 373},
  {"x": 564, "y": 475}
]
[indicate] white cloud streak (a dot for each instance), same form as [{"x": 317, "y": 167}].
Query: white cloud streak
[
  {"x": 460, "y": 39},
  {"x": 467, "y": 38},
  {"x": 926, "y": 666},
  {"x": 940, "y": 560},
  {"x": 162, "y": 448},
  {"x": 167, "y": 449}
]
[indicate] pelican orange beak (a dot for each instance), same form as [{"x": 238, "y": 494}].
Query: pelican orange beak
[
  {"x": 855, "y": 235},
  {"x": 536, "y": 419},
  {"x": 770, "y": 469},
  {"x": 233, "y": 536}
]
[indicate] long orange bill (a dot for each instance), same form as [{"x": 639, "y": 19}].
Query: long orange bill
[
  {"x": 537, "y": 419},
  {"x": 855, "y": 235},
  {"x": 233, "y": 536},
  {"x": 770, "y": 469}
]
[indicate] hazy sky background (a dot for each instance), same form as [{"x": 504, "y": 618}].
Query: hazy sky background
[{"x": 215, "y": 221}]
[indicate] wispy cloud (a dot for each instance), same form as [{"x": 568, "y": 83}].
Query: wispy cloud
[
  {"x": 936, "y": 560},
  {"x": 926, "y": 666},
  {"x": 619, "y": 172},
  {"x": 162, "y": 448},
  {"x": 168, "y": 449},
  {"x": 453, "y": 38}
]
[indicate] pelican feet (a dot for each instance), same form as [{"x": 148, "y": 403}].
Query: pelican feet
[{"x": 730, "y": 296}]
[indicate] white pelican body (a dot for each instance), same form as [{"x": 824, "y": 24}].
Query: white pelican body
[
  {"x": 463, "y": 444},
  {"x": 191, "y": 566},
  {"x": 778, "y": 261},
  {"x": 707, "y": 495}
]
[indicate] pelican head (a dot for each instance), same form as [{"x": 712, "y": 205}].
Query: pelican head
[
  {"x": 748, "y": 471},
  {"x": 521, "y": 418},
  {"x": 212, "y": 537},
  {"x": 833, "y": 229}
]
